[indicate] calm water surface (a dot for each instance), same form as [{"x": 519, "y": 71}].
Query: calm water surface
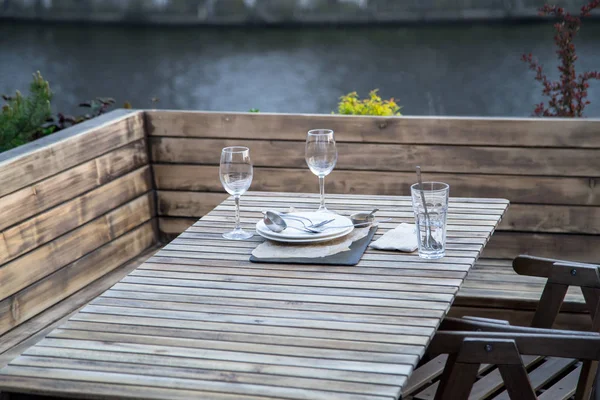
[{"x": 430, "y": 70}]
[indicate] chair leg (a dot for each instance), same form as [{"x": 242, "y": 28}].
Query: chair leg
[
  {"x": 457, "y": 380},
  {"x": 587, "y": 380},
  {"x": 517, "y": 382}
]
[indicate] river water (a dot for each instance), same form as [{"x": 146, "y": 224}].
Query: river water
[{"x": 430, "y": 70}]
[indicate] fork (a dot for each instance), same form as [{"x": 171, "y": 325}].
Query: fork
[{"x": 301, "y": 218}]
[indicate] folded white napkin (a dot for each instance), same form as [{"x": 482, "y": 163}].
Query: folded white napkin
[{"x": 402, "y": 238}]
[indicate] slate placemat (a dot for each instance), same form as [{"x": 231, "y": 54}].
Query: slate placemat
[{"x": 351, "y": 257}]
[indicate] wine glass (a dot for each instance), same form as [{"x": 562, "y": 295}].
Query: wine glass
[
  {"x": 321, "y": 156},
  {"x": 235, "y": 172}
]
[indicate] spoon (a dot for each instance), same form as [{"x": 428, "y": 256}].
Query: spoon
[
  {"x": 430, "y": 242},
  {"x": 276, "y": 223},
  {"x": 301, "y": 218}
]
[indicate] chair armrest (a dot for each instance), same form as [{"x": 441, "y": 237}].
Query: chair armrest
[
  {"x": 558, "y": 271},
  {"x": 486, "y": 320},
  {"x": 473, "y": 324},
  {"x": 581, "y": 345}
]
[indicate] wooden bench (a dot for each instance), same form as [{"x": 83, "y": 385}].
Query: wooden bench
[
  {"x": 78, "y": 208},
  {"x": 76, "y": 214}
]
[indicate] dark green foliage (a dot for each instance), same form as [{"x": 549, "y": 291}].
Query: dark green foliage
[
  {"x": 97, "y": 107},
  {"x": 22, "y": 117},
  {"x": 26, "y": 118}
]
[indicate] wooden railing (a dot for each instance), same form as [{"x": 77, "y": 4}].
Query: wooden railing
[{"x": 547, "y": 168}]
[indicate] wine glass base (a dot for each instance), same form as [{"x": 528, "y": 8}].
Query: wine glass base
[{"x": 238, "y": 234}]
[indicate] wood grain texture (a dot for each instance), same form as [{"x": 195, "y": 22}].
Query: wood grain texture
[
  {"x": 422, "y": 130},
  {"x": 25, "y": 335},
  {"x": 521, "y": 217},
  {"x": 552, "y": 219},
  {"x": 47, "y": 226},
  {"x": 582, "y": 248},
  {"x": 170, "y": 228},
  {"x": 187, "y": 204},
  {"x": 525, "y": 189},
  {"x": 48, "y": 156},
  {"x": 199, "y": 318},
  {"x": 55, "y": 287},
  {"x": 67, "y": 185},
  {"x": 391, "y": 157},
  {"x": 46, "y": 259}
]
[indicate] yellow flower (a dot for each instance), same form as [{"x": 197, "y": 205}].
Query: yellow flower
[{"x": 350, "y": 104}]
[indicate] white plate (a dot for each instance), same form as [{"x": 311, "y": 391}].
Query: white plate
[
  {"x": 293, "y": 235},
  {"x": 306, "y": 240}
]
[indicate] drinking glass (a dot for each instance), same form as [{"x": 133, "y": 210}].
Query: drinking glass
[
  {"x": 235, "y": 172},
  {"x": 321, "y": 156},
  {"x": 431, "y": 218}
]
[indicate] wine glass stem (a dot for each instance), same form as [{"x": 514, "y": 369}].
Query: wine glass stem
[
  {"x": 322, "y": 191},
  {"x": 237, "y": 212}
]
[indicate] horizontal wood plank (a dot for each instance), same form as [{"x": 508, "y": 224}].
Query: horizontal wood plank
[
  {"x": 525, "y": 189},
  {"x": 47, "y": 226},
  {"x": 33, "y": 266},
  {"x": 187, "y": 204},
  {"x": 201, "y": 389},
  {"x": 67, "y": 185},
  {"x": 520, "y": 217},
  {"x": 582, "y": 248},
  {"x": 53, "y": 154},
  {"x": 170, "y": 228},
  {"x": 25, "y": 335},
  {"x": 557, "y": 219},
  {"x": 470, "y": 131},
  {"x": 55, "y": 287},
  {"x": 391, "y": 157}
]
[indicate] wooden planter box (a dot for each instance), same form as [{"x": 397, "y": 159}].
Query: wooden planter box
[{"x": 85, "y": 203}]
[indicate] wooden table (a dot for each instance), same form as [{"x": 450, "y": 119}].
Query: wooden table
[{"x": 198, "y": 320}]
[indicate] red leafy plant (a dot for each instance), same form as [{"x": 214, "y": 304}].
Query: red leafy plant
[{"x": 568, "y": 95}]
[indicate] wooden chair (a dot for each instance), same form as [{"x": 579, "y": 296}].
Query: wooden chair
[
  {"x": 467, "y": 350},
  {"x": 560, "y": 275}
]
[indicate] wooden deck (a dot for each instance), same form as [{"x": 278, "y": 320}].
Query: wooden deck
[{"x": 198, "y": 320}]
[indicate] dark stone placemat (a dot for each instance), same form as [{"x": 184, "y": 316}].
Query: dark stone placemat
[{"x": 351, "y": 257}]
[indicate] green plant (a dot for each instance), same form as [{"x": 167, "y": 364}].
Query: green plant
[
  {"x": 254, "y": 110},
  {"x": 22, "y": 116},
  {"x": 23, "y": 119},
  {"x": 351, "y": 104}
]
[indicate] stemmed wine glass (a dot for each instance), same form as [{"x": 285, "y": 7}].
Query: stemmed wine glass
[
  {"x": 235, "y": 172},
  {"x": 321, "y": 156}
]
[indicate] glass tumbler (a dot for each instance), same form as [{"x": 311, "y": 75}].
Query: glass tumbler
[{"x": 430, "y": 206}]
